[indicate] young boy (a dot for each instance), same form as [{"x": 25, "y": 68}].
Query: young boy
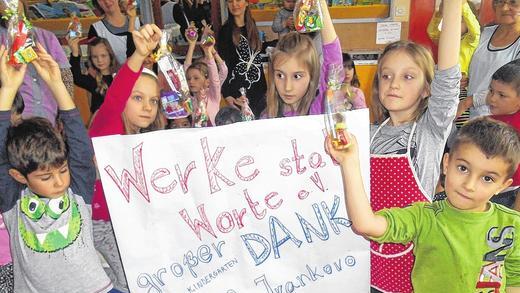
[
  {"x": 463, "y": 243},
  {"x": 283, "y": 21},
  {"x": 40, "y": 178},
  {"x": 503, "y": 100}
]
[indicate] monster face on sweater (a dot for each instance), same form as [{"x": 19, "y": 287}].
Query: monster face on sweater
[{"x": 48, "y": 225}]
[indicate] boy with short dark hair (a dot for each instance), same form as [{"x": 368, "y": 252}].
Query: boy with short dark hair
[
  {"x": 41, "y": 180},
  {"x": 463, "y": 243},
  {"x": 228, "y": 115}
]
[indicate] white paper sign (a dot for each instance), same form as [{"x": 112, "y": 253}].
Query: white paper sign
[
  {"x": 388, "y": 32},
  {"x": 249, "y": 207}
]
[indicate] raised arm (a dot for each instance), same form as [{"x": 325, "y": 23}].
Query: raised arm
[
  {"x": 328, "y": 33},
  {"x": 50, "y": 72},
  {"x": 364, "y": 221},
  {"x": 449, "y": 41}
]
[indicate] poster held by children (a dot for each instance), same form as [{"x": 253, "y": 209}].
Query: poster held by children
[{"x": 248, "y": 207}]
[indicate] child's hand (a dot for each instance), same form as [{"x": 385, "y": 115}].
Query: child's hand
[
  {"x": 131, "y": 11},
  {"x": 146, "y": 39},
  {"x": 73, "y": 45},
  {"x": 11, "y": 77},
  {"x": 289, "y": 23},
  {"x": 47, "y": 67},
  {"x": 344, "y": 156}
]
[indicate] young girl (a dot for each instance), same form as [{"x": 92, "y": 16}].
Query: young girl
[
  {"x": 131, "y": 106},
  {"x": 295, "y": 72},
  {"x": 414, "y": 109},
  {"x": 102, "y": 60},
  {"x": 350, "y": 87},
  {"x": 207, "y": 74}
]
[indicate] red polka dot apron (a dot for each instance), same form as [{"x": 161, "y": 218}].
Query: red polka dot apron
[{"x": 393, "y": 183}]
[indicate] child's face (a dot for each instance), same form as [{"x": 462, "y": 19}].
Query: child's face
[
  {"x": 472, "y": 178},
  {"x": 100, "y": 58},
  {"x": 143, "y": 104},
  {"x": 349, "y": 75},
  {"x": 502, "y": 98},
  {"x": 289, "y": 4},
  {"x": 291, "y": 79},
  {"x": 50, "y": 183},
  {"x": 180, "y": 123},
  {"x": 401, "y": 85},
  {"x": 196, "y": 81}
]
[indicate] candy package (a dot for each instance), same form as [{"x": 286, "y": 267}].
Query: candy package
[
  {"x": 334, "y": 120},
  {"x": 247, "y": 113},
  {"x": 174, "y": 106},
  {"x": 207, "y": 40},
  {"x": 171, "y": 68},
  {"x": 307, "y": 16},
  {"x": 19, "y": 39},
  {"x": 191, "y": 32},
  {"x": 200, "y": 114},
  {"x": 74, "y": 29}
]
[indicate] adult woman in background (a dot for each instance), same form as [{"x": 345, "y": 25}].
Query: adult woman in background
[
  {"x": 116, "y": 27},
  {"x": 239, "y": 45},
  {"x": 499, "y": 44}
]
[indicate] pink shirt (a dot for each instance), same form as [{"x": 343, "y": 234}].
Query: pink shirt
[
  {"x": 217, "y": 76},
  {"x": 108, "y": 121},
  {"x": 5, "y": 252}
]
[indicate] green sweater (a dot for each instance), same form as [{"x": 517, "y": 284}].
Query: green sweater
[{"x": 458, "y": 251}]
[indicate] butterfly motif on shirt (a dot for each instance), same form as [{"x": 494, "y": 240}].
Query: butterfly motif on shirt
[{"x": 250, "y": 63}]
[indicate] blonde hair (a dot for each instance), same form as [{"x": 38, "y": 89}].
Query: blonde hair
[
  {"x": 157, "y": 124},
  {"x": 424, "y": 60},
  {"x": 293, "y": 45},
  {"x": 102, "y": 86}
]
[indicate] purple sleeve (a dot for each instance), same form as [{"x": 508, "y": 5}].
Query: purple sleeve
[
  {"x": 331, "y": 55},
  {"x": 359, "y": 99},
  {"x": 53, "y": 47}
]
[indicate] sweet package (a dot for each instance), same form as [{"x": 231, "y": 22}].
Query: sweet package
[
  {"x": 74, "y": 28},
  {"x": 334, "y": 120},
  {"x": 19, "y": 41},
  {"x": 307, "y": 16},
  {"x": 176, "y": 103}
]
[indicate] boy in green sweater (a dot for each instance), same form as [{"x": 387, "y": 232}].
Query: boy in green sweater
[{"x": 463, "y": 243}]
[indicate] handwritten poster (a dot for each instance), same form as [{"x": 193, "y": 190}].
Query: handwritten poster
[{"x": 248, "y": 207}]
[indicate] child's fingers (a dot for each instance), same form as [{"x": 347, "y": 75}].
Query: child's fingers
[{"x": 41, "y": 48}]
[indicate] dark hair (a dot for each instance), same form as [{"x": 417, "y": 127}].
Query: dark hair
[
  {"x": 228, "y": 115},
  {"x": 494, "y": 138},
  {"x": 18, "y": 105},
  {"x": 171, "y": 122},
  {"x": 349, "y": 64},
  {"x": 509, "y": 74},
  {"x": 253, "y": 37},
  {"x": 34, "y": 144}
]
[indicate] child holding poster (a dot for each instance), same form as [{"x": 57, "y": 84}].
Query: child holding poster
[
  {"x": 464, "y": 243},
  {"x": 414, "y": 106},
  {"x": 131, "y": 106},
  {"x": 295, "y": 73},
  {"x": 207, "y": 74}
]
